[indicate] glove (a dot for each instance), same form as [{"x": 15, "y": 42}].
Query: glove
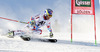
[
  {"x": 51, "y": 34},
  {"x": 32, "y": 22}
]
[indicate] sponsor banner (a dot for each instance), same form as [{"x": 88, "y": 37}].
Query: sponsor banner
[{"x": 83, "y": 7}]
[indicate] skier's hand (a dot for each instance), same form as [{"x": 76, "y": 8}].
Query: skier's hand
[
  {"x": 32, "y": 22},
  {"x": 51, "y": 34}
]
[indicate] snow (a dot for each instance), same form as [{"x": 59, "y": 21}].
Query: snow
[{"x": 63, "y": 45}]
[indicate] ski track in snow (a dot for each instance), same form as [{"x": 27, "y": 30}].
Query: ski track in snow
[{"x": 18, "y": 45}]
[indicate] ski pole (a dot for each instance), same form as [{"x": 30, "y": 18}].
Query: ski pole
[{"x": 13, "y": 20}]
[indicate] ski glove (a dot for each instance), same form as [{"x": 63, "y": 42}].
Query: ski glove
[
  {"x": 51, "y": 34},
  {"x": 32, "y": 23}
]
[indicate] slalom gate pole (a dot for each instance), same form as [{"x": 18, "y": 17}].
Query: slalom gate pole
[
  {"x": 95, "y": 30},
  {"x": 71, "y": 28},
  {"x": 13, "y": 20},
  {"x": 94, "y": 22},
  {"x": 71, "y": 18}
]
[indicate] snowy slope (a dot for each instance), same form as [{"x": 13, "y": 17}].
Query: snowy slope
[{"x": 63, "y": 45}]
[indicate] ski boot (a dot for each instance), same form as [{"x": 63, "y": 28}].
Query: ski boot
[
  {"x": 51, "y": 35},
  {"x": 10, "y": 34}
]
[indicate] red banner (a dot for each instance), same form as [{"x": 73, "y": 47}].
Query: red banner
[{"x": 85, "y": 7}]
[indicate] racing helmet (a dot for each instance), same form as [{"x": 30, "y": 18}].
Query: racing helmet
[{"x": 48, "y": 12}]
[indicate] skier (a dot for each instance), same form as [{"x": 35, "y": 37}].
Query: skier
[{"x": 35, "y": 24}]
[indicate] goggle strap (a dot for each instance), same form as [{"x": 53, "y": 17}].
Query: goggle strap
[{"x": 47, "y": 12}]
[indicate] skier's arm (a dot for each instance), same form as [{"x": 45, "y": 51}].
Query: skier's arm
[
  {"x": 49, "y": 27},
  {"x": 34, "y": 19},
  {"x": 50, "y": 30}
]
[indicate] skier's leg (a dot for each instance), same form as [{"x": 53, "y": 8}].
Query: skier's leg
[
  {"x": 13, "y": 33},
  {"x": 38, "y": 31},
  {"x": 23, "y": 35},
  {"x": 19, "y": 32}
]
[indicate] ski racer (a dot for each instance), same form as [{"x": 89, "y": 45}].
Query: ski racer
[{"x": 35, "y": 24}]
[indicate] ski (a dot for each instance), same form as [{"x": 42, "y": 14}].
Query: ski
[
  {"x": 49, "y": 40},
  {"x": 43, "y": 40},
  {"x": 25, "y": 38}
]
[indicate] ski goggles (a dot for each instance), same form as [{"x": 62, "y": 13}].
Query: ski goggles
[{"x": 50, "y": 15}]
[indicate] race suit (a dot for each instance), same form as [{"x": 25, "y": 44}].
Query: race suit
[{"x": 38, "y": 23}]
